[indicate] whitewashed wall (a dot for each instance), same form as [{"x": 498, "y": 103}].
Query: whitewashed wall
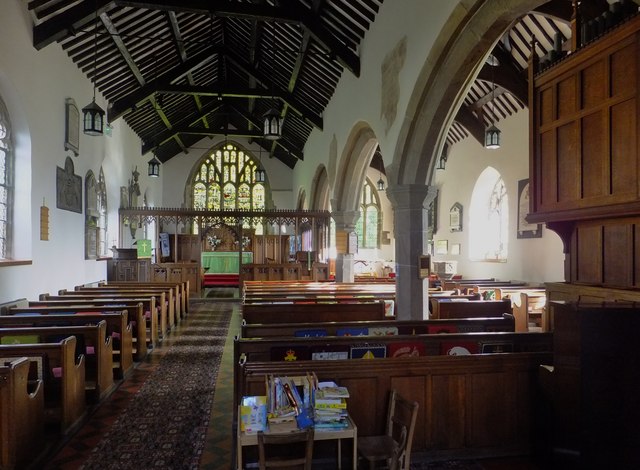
[
  {"x": 535, "y": 259},
  {"x": 34, "y": 85}
]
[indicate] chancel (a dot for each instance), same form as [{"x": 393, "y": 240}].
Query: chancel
[{"x": 413, "y": 201}]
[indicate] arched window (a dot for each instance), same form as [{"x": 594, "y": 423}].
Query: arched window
[
  {"x": 225, "y": 180},
  {"x": 103, "y": 243},
  {"x": 368, "y": 226},
  {"x": 489, "y": 218},
  {"x": 6, "y": 183}
]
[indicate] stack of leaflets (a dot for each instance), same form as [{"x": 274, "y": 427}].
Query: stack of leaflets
[{"x": 330, "y": 406}]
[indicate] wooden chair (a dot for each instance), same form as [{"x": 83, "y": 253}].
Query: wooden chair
[
  {"x": 394, "y": 447},
  {"x": 271, "y": 448}
]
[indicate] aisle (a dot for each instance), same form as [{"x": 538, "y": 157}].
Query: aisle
[{"x": 159, "y": 416}]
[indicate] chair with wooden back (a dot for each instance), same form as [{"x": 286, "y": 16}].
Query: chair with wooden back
[
  {"x": 275, "y": 450},
  {"x": 394, "y": 447}
]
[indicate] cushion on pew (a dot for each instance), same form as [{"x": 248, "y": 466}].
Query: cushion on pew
[
  {"x": 352, "y": 332},
  {"x": 310, "y": 333},
  {"x": 407, "y": 349},
  {"x": 437, "y": 329},
  {"x": 56, "y": 372},
  {"x": 90, "y": 350},
  {"x": 289, "y": 354},
  {"x": 458, "y": 348}
]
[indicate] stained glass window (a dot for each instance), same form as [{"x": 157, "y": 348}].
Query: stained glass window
[
  {"x": 225, "y": 181},
  {"x": 6, "y": 182},
  {"x": 368, "y": 225}
]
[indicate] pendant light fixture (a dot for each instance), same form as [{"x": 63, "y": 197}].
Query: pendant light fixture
[
  {"x": 380, "y": 183},
  {"x": 93, "y": 114},
  {"x": 492, "y": 133},
  {"x": 272, "y": 121},
  {"x": 259, "y": 173},
  {"x": 154, "y": 166}
]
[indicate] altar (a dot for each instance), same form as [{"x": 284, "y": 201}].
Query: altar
[{"x": 224, "y": 262}]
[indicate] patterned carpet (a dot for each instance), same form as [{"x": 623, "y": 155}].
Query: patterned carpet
[{"x": 164, "y": 425}]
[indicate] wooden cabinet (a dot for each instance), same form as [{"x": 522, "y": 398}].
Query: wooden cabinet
[{"x": 129, "y": 270}]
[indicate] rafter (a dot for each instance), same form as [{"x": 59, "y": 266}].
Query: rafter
[{"x": 472, "y": 123}]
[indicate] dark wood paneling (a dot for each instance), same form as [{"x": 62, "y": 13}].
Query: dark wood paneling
[
  {"x": 447, "y": 411},
  {"x": 566, "y": 100},
  {"x": 548, "y": 170},
  {"x": 546, "y": 106},
  {"x": 568, "y": 163},
  {"x": 594, "y": 84},
  {"x": 623, "y": 71},
  {"x": 589, "y": 251},
  {"x": 593, "y": 147},
  {"x": 624, "y": 167},
  {"x": 618, "y": 254}
]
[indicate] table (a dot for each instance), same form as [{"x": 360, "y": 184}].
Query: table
[
  {"x": 351, "y": 432},
  {"x": 224, "y": 262}
]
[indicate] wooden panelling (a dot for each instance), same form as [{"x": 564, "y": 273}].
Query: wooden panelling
[
  {"x": 568, "y": 163},
  {"x": 548, "y": 170},
  {"x": 623, "y": 71},
  {"x": 489, "y": 403},
  {"x": 566, "y": 100},
  {"x": 593, "y": 165},
  {"x": 546, "y": 106},
  {"x": 624, "y": 173},
  {"x": 447, "y": 411},
  {"x": 593, "y": 85},
  {"x": 618, "y": 255},
  {"x": 589, "y": 251}
]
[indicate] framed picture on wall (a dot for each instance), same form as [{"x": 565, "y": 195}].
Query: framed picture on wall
[
  {"x": 442, "y": 247},
  {"x": 525, "y": 229},
  {"x": 455, "y": 218}
]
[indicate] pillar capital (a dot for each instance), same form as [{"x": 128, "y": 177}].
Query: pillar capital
[
  {"x": 346, "y": 220},
  {"x": 411, "y": 196}
]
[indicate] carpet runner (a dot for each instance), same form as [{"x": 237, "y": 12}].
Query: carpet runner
[{"x": 165, "y": 424}]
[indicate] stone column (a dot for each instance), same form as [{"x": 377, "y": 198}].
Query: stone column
[
  {"x": 410, "y": 203},
  {"x": 345, "y": 224}
]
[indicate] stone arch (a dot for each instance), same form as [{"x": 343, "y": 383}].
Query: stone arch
[
  {"x": 354, "y": 161},
  {"x": 448, "y": 72},
  {"x": 320, "y": 190},
  {"x": 302, "y": 199}
]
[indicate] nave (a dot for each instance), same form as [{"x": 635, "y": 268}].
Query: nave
[{"x": 195, "y": 344}]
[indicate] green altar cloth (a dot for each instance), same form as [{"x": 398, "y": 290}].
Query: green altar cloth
[{"x": 224, "y": 262}]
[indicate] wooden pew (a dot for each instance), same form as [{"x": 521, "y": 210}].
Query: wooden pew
[
  {"x": 529, "y": 308},
  {"x": 163, "y": 297},
  {"x": 151, "y": 314},
  {"x": 92, "y": 341},
  {"x": 21, "y": 414},
  {"x": 446, "y": 308},
  {"x": 141, "y": 338},
  {"x": 64, "y": 396},
  {"x": 476, "y": 406},
  {"x": 182, "y": 288},
  {"x": 292, "y": 313},
  {"x": 376, "y": 328}
]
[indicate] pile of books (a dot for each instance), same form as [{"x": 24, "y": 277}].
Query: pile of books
[
  {"x": 285, "y": 405},
  {"x": 330, "y": 406}
]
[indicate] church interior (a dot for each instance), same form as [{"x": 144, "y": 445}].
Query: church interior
[{"x": 197, "y": 196}]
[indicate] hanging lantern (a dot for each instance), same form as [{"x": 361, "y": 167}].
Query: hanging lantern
[
  {"x": 93, "y": 114},
  {"x": 492, "y": 137},
  {"x": 380, "y": 184},
  {"x": 154, "y": 167},
  {"x": 272, "y": 125}
]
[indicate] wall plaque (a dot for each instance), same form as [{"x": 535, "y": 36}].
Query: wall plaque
[{"x": 68, "y": 188}]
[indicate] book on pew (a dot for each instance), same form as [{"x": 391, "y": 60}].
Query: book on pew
[
  {"x": 318, "y": 332},
  {"x": 353, "y": 331},
  {"x": 383, "y": 331},
  {"x": 253, "y": 414},
  {"x": 329, "y": 353}
]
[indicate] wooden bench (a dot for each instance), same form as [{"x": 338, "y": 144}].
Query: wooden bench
[
  {"x": 151, "y": 313},
  {"x": 62, "y": 374},
  {"x": 21, "y": 414},
  {"x": 163, "y": 297},
  {"x": 91, "y": 340},
  {"x": 135, "y": 311},
  {"x": 443, "y": 307},
  {"x": 377, "y": 328},
  {"x": 472, "y": 406},
  {"x": 293, "y": 313},
  {"x": 182, "y": 288}
]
